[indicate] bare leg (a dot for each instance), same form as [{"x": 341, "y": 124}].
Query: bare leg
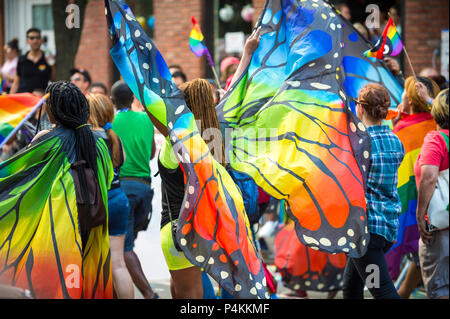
[
  {"x": 123, "y": 284},
  {"x": 136, "y": 272},
  {"x": 187, "y": 283},
  {"x": 412, "y": 280},
  {"x": 172, "y": 289}
]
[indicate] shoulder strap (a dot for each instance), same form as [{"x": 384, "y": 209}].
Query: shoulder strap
[
  {"x": 120, "y": 151},
  {"x": 445, "y": 139}
]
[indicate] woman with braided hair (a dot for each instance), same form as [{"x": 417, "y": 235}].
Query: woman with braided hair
[
  {"x": 186, "y": 279},
  {"x": 53, "y": 198}
]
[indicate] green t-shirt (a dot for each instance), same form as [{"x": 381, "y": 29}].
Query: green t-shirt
[{"x": 136, "y": 132}]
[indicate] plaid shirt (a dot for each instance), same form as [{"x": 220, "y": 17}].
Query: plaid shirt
[{"x": 383, "y": 203}]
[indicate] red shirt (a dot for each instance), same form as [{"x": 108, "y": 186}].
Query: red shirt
[{"x": 433, "y": 152}]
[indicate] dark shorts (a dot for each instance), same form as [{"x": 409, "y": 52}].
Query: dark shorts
[
  {"x": 118, "y": 211},
  {"x": 140, "y": 196}
]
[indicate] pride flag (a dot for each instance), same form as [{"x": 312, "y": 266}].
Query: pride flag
[
  {"x": 411, "y": 131},
  {"x": 13, "y": 109},
  {"x": 389, "y": 44},
  {"x": 196, "y": 42}
]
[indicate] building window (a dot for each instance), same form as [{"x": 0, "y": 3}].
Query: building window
[
  {"x": 233, "y": 28},
  {"x": 42, "y": 16},
  {"x": 233, "y": 9}
]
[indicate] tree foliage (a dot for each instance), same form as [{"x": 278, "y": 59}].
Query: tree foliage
[{"x": 68, "y": 17}]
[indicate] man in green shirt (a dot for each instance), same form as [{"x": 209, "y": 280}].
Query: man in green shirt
[{"x": 137, "y": 134}]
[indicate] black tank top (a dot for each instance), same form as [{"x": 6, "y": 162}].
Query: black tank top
[{"x": 172, "y": 184}]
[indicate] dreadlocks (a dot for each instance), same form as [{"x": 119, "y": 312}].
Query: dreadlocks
[
  {"x": 68, "y": 106},
  {"x": 199, "y": 99}
]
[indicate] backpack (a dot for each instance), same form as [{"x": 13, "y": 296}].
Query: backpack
[{"x": 249, "y": 191}]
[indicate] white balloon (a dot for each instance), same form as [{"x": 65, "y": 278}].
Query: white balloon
[{"x": 226, "y": 14}]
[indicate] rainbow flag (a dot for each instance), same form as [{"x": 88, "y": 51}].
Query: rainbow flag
[
  {"x": 411, "y": 131},
  {"x": 389, "y": 44},
  {"x": 196, "y": 42},
  {"x": 13, "y": 109}
]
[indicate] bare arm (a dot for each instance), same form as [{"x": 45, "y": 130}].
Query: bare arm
[
  {"x": 15, "y": 86},
  {"x": 422, "y": 92},
  {"x": 250, "y": 46},
  {"x": 39, "y": 135},
  {"x": 428, "y": 180}
]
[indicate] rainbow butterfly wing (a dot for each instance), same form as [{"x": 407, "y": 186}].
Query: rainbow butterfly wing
[
  {"x": 295, "y": 131},
  {"x": 305, "y": 268},
  {"x": 40, "y": 242},
  {"x": 316, "y": 142},
  {"x": 213, "y": 229}
]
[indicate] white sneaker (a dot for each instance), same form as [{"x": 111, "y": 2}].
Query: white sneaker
[{"x": 267, "y": 229}]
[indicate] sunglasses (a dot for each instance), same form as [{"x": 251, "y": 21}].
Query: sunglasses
[
  {"x": 34, "y": 38},
  {"x": 356, "y": 101}
]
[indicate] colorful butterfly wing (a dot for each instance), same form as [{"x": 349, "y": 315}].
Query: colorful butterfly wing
[
  {"x": 293, "y": 128},
  {"x": 213, "y": 229},
  {"x": 305, "y": 268},
  {"x": 40, "y": 243}
]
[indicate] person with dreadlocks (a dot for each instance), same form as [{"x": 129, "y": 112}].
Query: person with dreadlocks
[
  {"x": 53, "y": 197},
  {"x": 102, "y": 117},
  {"x": 186, "y": 279}
]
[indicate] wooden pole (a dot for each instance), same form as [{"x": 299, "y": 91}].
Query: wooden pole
[
  {"x": 217, "y": 78},
  {"x": 409, "y": 61},
  {"x": 211, "y": 63}
]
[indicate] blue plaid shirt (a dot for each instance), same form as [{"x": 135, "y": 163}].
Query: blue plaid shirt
[{"x": 383, "y": 202}]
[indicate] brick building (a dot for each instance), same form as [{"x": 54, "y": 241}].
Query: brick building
[{"x": 421, "y": 32}]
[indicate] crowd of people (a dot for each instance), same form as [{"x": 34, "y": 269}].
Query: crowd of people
[{"x": 93, "y": 111}]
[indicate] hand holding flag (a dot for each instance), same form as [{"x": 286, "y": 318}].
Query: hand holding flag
[{"x": 389, "y": 44}]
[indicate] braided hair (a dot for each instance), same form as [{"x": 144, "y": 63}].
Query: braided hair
[
  {"x": 200, "y": 100},
  {"x": 375, "y": 99},
  {"x": 68, "y": 106}
]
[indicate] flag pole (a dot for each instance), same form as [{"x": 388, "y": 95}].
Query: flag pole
[
  {"x": 406, "y": 54},
  {"x": 211, "y": 63},
  {"x": 409, "y": 62},
  {"x": 26, "y": 118}
]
